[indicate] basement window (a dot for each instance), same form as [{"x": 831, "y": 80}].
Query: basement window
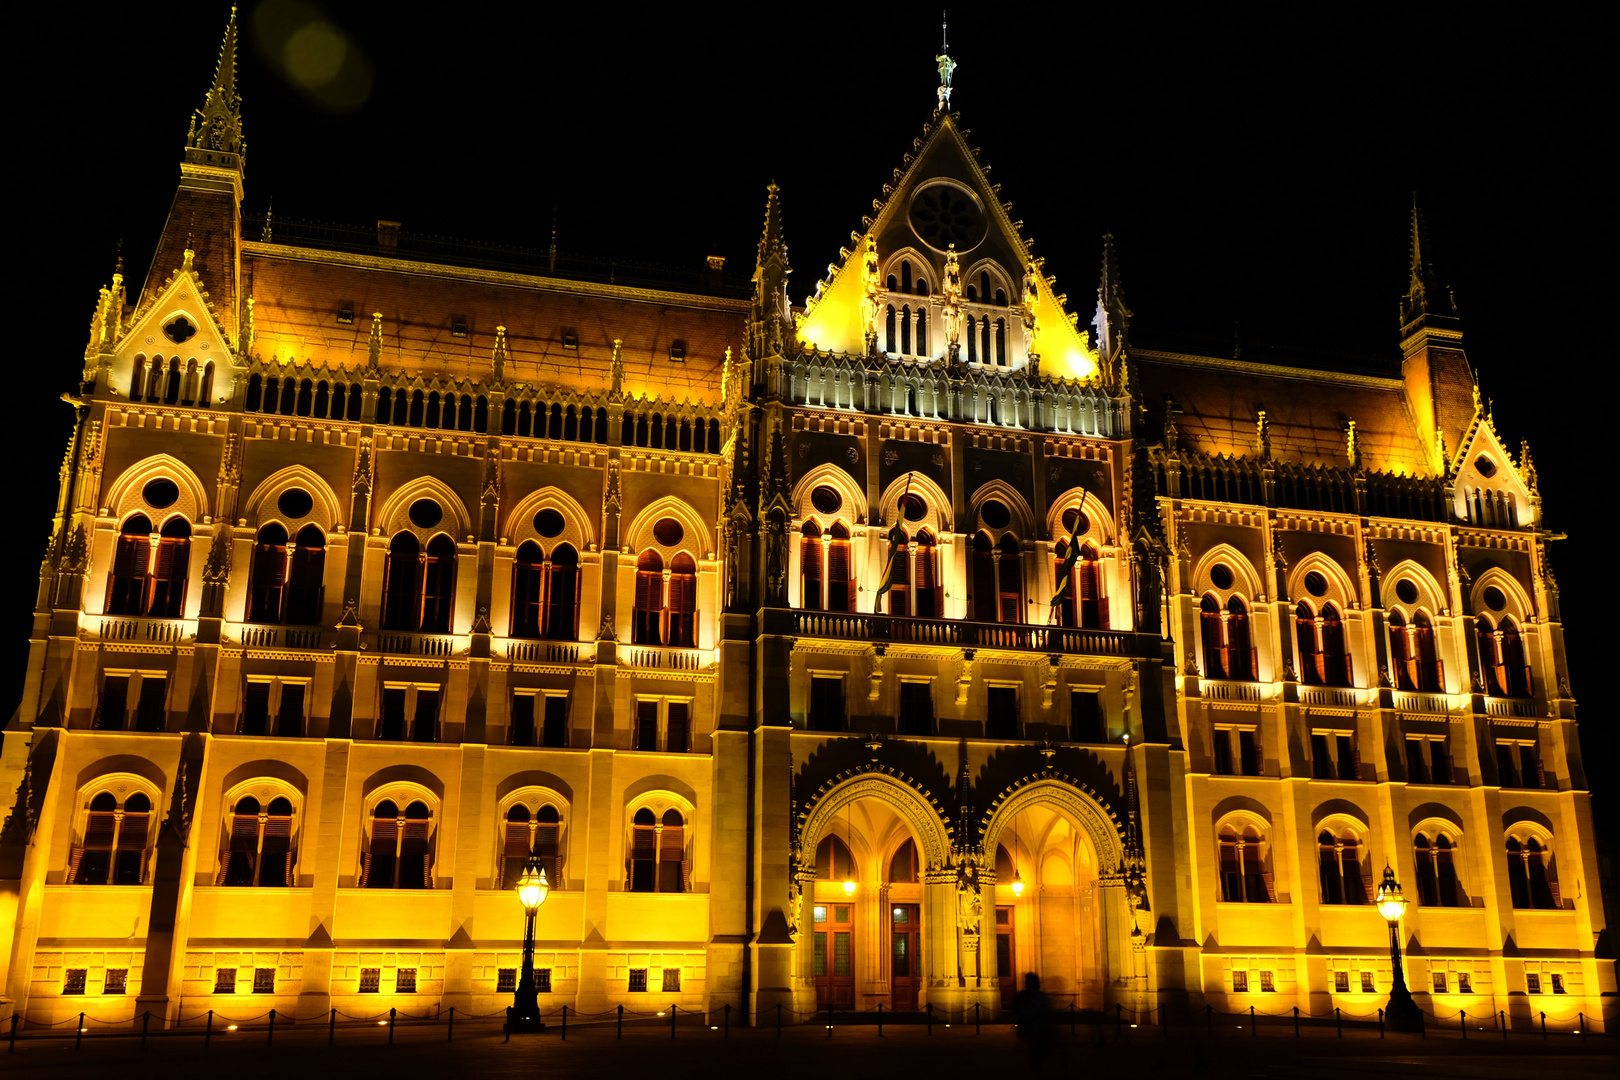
[
  {"x": 638, "y": 980},
  {"x": 458, "y": 327}
]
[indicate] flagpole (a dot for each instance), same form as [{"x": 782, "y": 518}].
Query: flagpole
[{"x": 888, "y": 567}]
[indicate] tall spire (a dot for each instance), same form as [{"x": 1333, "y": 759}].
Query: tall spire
[
  {"x": 1424, "y": 293},
  {"x": 217, "y": 126},
  {"x": 945, "y": 64},
  {"x": 1113, "y": 318},
  {"x": 772, "y": 316}
]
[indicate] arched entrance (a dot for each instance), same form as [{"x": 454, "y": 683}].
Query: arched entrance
[
  {"x": 1059, "y": 898},
  {"x": 876, "y": 919}
]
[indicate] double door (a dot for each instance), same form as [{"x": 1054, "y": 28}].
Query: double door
[
  {"x": 834, "y": 961},
  {"x": 1006, "y": 963}
]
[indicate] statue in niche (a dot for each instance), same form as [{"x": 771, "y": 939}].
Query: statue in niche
[
  {"x": 1032, "y": 301},
  {"x": 951, "y": 310},
  {"x": 871, "y": 295}
]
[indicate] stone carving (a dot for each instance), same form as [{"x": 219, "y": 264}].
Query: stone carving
[{"x": 871, "y": 296}]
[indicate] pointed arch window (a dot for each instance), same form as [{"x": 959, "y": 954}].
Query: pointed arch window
[
  {"x": 900, "y": 575},
  {"x": 648, "y": 626},
  {"x": 267, "y": 579},
  {"x": 258, "y": 851},
  {"x": 834, "y": 861},
  {"x": 402, "y": 583},
  {"x": 1323, "y": 660},
  {"x": 905, "y": 277},
  {"x": 562, "y": 594},
  {"x": 903, "y": 867},
  {"x": 1001, "y": 342},
  {"x": 1437, "y": 871},
  {"x": 306, "y": 572},
  {"x": 528, "y": 590},
  {"x": 397, "y": 855},
  {"x": 681, "y": 598},
  {"x": 905, "y": 329},
  {"x": 658, "y": 859},
  {"x": 840, "y": 575},
  {"x": 1242, "y": 861},
  {"x": 132, "y": 556},
  {"x": 922, "y": 324},
  {"x": 1530, "y": 878},
  {"x": 137, "y": 381},
  {"x": 925, "y": 576},
  {"x": 1344, "y": 879},
  {"x": 1083, "y": 603},
  {"x": 1417, "y": 666},
  {"x": 1225, "y": 635},
  {"x": 810, "y": 567},
  {"x": 113, "y": 847},
  {"x": 1501, "y": 655},
  {"x": 972, "y": 340},
  {"x": 170, "y": 569}
]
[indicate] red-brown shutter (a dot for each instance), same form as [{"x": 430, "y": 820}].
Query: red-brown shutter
[
  {"x": 277, "y": 850},
  {"x": 1552, "y": 886},
  {"x": 643, "y": 842},
  {"x": 414, "y": 846},
  {"x": 75, "y": 857},
  {"x": 384, "y": 836},
  {"x": 98, "y": 829},
  {"x": 1271, "y": 885},
  {"x": 1367, "y": 881},
  {"x": 649, "y": 590},
  {"x": 840, "y": 584},
  {"x": 545, "y": 847}
]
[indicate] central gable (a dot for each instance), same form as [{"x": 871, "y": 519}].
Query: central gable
[{"x": 943, "y": 200}]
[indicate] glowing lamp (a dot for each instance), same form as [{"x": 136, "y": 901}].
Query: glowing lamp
[
  {"x": 1018, "y": 885},
  {"x": 532, "y": 887},
  {"x": 849, "y": 886},
  {"x": 1391, "y": 904}
]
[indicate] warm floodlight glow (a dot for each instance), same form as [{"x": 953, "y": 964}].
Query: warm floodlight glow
[
  {"x": 532, "y": 887},
  {"x": 849, "y": 886},
  {"x": 1018, "y": 885},
  {"x": 1391, "y": 904}
]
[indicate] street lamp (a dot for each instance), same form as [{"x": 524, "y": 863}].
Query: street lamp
[
  {"x": 532, "y": 890},
  {"x": 1402, "y": 1013}
]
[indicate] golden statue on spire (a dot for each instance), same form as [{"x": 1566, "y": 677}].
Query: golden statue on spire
[{"x": 946, "y": 66}]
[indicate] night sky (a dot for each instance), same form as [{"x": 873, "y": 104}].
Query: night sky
[{"x": 1255, "y": 169}]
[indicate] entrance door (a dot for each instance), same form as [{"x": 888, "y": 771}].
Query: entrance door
[
  {"x": 1006, "y": 970},
  {"x": 905, "y": 969},
  {"x": 835, "y": 975}
]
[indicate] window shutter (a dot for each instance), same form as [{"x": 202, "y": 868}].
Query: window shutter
[
  {"x": 1103, "y": 622},
  {"x": 1271, "y": 885},
  {"x": 75, "y": 857},
  {"x": 1541, "y": 772},
  {"x": 517, "y": 840},
  {"x": 413, "y": 853},
  {"x": 674, "y": 843},
  {"x": 225, "y": 866},
  {"x": 1552, "y": 886},
  {"x": 1367, "y": 881},
  {"x": 1361, "y": 772},
  {"x": 643, "y": 842},
  {"x": 649, "y": 583},
  {"x": 98, "y": 830},
  {"x": 365, "y": 869},
  {"x": 841, "y": 587},
  {"x": 277, "y": 851},
  {"x": 545, "y": 846}
]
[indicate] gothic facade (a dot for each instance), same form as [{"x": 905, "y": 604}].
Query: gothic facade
[{"x": 874, "y": 650}]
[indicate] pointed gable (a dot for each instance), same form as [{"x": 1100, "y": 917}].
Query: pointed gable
[
  {"x": 940, "y": 198},
  {"x": 178, "y": 333},
  {"x": 1490, "y": 489}
]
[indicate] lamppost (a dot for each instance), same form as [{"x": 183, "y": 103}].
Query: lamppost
[
  {"x": 1402, "y": 1013},
  {"x": 531, "y": 892}
]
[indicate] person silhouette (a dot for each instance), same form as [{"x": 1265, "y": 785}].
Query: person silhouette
[{"x": 1033, "y": 1011}]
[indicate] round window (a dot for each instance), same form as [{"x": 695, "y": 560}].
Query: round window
[
  {"x": 180, "y": 331},
  {"x": 1494, "y": 598},
  {"x": 1406, "y": 591},
  {"x": 425, "y": 513},
  {"x": 943, "y": 215},
  {"x": 295, "y": 503},
  {"x": 548, "y": 523},
  {"x": 1485, "y": 465},
  {"x": 826, "y": 500},
  {"x": 1221, "y": 575},
  {"x": 1315, "y": 584},
  {"x": 668, "y": 532},
  {"x": 1075, "y": 523},
  {"x": 160, "y": 493},
  {"x": 995, "y": 514},
  {"x": 914, "y": 508}
]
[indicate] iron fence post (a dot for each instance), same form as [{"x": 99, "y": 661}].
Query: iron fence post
[
  {"x": 391, "y": 1014},
  {"x": 146, "y": 1018},
  {"x": 673, "y": 1009},
  {"x": 270, "y": 1036},
  {"x": 565, "y": 1024},
  {"x": 331, "y": 1028},
  {"x": 621, "y": 1021},
  {"x": 78, "y": 1036},
  {"x": 450, "y": 1031},
  {"x": 208, "y": 1032}
]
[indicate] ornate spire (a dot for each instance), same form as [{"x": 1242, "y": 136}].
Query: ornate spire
[
  {"x": 617, "y": 369},
  {"x": 217, "y": 127},
  {"x": 1262, "y": 436},
  {"x": 1352, "y": 448},
  {"x": 498, "y": 357},
  {"x": 374, "y": 345},
  {"x": 1424, "y": 293},
  {"x": 771, "y": 317},
  {"x": 1113, "y": 318},
  {"x": 945, "y": 65}
]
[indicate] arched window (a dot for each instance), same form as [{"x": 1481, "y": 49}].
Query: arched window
[
  {"x": 339, "y": 390},
  {"x": 528, "y": 589},
  {"x": 509, "y": 417},
  {"x": 899, "y": 572},
  {"x": 402, "y": 584},
  {"x": 1501, "y": 655},
  {"x": 538, "y": 832},
  {"x": 430, "y": 418},
  {"x": 903, "y": 867},
  {"x": 984, "y": 285},
  {"x": 810, "y": 572},
  {"x": 922, "y": 324},
  {"x": 1322, "y": 657},
  {"x": 658, "y": 861},
  {"x": 289, "y": 396},
  {"x": 888, "y": 329},
  {"x": 905, "y": 277},
  {"x": 322, "y": 399},
  {"x": 562, "y": 607},
  {"x": 259, "y": 848},
  {"x": 438, "y": 585},
  {"x": 1001, "y": 339},
  {"x": 1344, "y": 879},
  {"x": 384, "y": 412},
  {"x": 1083, "y": 603},
  {"x": 524, "y": 420},
  {"x": 1436, "y": 871},
  {"x": 305, "y": 577},
  {"x": 834, "y": 862},
  {"x": 397, "y": 856},
  {"x": 1417, "y": 666},
  {"x": 418, "y": 409},
  {"x": 840, "y": 574},
  {"x": 554, "y": 431},
  {"x": 1010, "y": 578},
  {"x": 681, "y": 598},
  {"x": 972, "y": 339},
  {"x": 986, "y": 603},
  {"x": 205, "y": 392},
  {"x": 905, "y": 329},
  {"x": 481, "y": 414},
  {"x": 1531, "y": 880},
  {"x": 1213, "y": 638},
  {"x": 1225, "y": 634},
  {"x": 255, "y": 392},
  {"x": 267, "y": 579},
  {"x": 925, "y": 576},
  {"x": 1242, "y": 861},
  {"x": 306, "y": 398},
  {"x": 137, "y": 381},
  {"x": 154, "y": 380},
  {"x": 170, "y": 569},
  {"x": 113, "y": 848},
  {"x": 171, "y": 391},
  {"x": 127, "y": 584},
  {"x": 648, "y": 626}
]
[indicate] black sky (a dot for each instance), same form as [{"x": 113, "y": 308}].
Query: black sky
[{"x": 1256, "y": 168}]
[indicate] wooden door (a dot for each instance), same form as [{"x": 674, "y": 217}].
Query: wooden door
[
  {"x": 905, "y": 957},
  {"x": 1006, "y": 962},
  {"x": 835, "y": 957}
]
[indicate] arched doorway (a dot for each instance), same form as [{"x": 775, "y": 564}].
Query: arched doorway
[
  {"x": 1058, "y": 895},
  {"x": 876, "y": 920}
]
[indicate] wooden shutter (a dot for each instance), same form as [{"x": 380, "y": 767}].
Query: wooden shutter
[
  {"x": 276, "y": 853},
  {"x": 131, "y": 846},
  {"x": 1552, "y": 886},
  {"x": 514, "y": 852},
  {"x": 98, "y": 829},
  {"x": 1270, "y": 880},
  {"x": 840, "y": 586},
  {"x": 1366, "y": 879},
  {"x": 75, "y": 858},
  {"x": 413, "y": 855},
  {"x": 810, "y": 573},
  {"x": 384, "y": 841},
  {"x": 244, "y": 847},
  {"x": 1355, "y": 749},
  {"x": 545, "y": 846}
]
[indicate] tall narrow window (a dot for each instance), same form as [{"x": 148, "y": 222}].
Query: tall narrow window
[
  {"x": 113, "y": 851},
  {"x": 672, "y": 853},
  {"x": 151, "y": 708},
  {"x": 1085, "y": 716},
  {"x": 810, "y": 573},
  {"x": 305, "y": 577},
  {"x": 1088, "y": 591},
  {"x": 1243, "y": 879},
  {"x": 425, "y": 720},
  {"x": 170, "y": 569},
  {"x": 127, "y": 584},
  {"x": 1341, "y": 872},
  {"x": 900, "y": 573},
  {"x": 137, "y": 380},
  {"x": 1001, "y": 712},
  {"x": 1213, "y": 637},
  {"x": 113, "y": 708},
  {"x": 398, "y": 855},
  {"x": 256, "y": 708},
  {"x": 905, "y": 329},
  {"x": 826, "y": 703},
  {"x": 888, "y": 330},
  {"x": 438, "y": 585},
  {"x": 402, "y": 582},
  {"x": 1240, "y": 654},
  {"x": 1417, "y": 666},
  {"x": 678, "y": 727},
  {"x": 516, "y": 846},
  {"x": 1010, "y": 578},
  {"x": 562, "y": 609},
  {"x": 925, "y": 579},
  {"x": 986, "y": 599},
  {"x": 682, "y": 602},
  {"x": 520, "y": 730},
  {"x": 290, "y": 715},
  {"x": 646, "y": 733},
  {"x": 258, "y": 851},
  {"x": 647, "y": 627},
  {"x": 268, "y": 577},
  {"x": 528, "y": 581},
  {"x": 972, "y": 341},
  {"x": 916, "y": 708},
  {"x": 555, "y": 721},
  {"x": 840, "y": 577},
  {"x": 643, "y": 869}
]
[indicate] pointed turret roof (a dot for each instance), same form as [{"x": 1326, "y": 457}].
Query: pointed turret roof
[
  {"x": 217, "y": 126},
  {"x": 771, "y": 244},
  {"x": 1113, "y": 318},
  {"x": 1424, "y": 293}
]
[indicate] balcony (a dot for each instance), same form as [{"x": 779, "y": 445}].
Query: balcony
[
  {"x": 401, "y": 643},
  {"x": 543, "y": 652},
  {"x": 957, "y": 633},
  {"x": 665, "y": 657},
  {"x": 268, "y": 636},
  {"x": 1511, "y": 707},
  {"x": 144, "y": 631}
]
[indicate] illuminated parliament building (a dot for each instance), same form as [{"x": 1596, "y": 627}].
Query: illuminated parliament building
[{"x": 873, "y": 647}]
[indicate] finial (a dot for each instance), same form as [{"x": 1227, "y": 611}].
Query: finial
[
  {"x": 1262, "y": 435},
  {"x": 1477, "y": 401},
  {"x": 269, "y": 215},
  {"x": 945, "y": 65},
  {"x": 498, "y": 356},
  {"x": 1352, "y": 450},
  {"x": 618, "y": 367},
  {"x": 374, "y": 345}
]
